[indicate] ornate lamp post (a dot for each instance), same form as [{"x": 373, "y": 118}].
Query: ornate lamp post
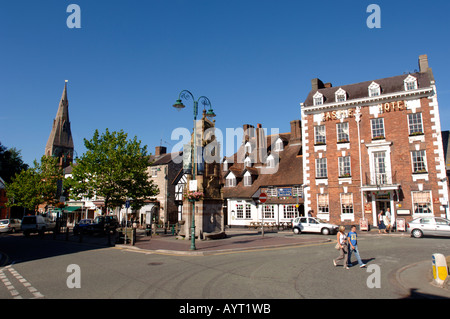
[{"x": 186, "y": 95}]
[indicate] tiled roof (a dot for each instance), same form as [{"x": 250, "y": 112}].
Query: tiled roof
[
  {"x": 289, "y": 170},
  {"x": 360, "y": 90}
]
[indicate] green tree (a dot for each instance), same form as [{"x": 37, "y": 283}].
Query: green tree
[
  {"x": 11, "y": 163},
  {"x": 114, "y": 168},
  {"x": 36, "y": 185}
]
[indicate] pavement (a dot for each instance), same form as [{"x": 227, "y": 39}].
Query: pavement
[{"x": 415, "y": 279}]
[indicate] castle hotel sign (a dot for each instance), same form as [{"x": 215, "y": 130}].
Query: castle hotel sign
[{"x": 383, "y": 108}]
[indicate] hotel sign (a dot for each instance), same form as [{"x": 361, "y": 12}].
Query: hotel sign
[{"x": 383, "y": 108}]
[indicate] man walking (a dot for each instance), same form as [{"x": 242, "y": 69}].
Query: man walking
[{"x": 353, "y": 247}]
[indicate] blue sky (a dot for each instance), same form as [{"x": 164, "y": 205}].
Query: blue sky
[{"x": 253, "y": 59}]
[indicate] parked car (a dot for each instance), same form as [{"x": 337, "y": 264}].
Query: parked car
[
  {"x": 9, "y": 225},
  {"x": 103, "y": 224},
  {"x": 428, "y": 226},
  {"x": 37, "y": 224},
  {"x": 313, "y": 225},
  {"x": 82, "y": 226}
]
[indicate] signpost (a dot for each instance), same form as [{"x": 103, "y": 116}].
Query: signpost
[{"x": 262, "y": 199}]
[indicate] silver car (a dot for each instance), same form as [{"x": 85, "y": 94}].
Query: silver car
[
  {"x": 10, "y": 225},
  {"x": 429, "y": 226}
]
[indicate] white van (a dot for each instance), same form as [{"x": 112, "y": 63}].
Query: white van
[{"x": 37, "y": 224}]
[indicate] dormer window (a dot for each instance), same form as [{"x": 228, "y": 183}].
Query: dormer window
[
  {"x": 374, "y": 89},
  {"x": 270, "y": 161},
  {"x": 278, "y": 145},
  {"x": 410, "y": 83},
  {"x": 247, "y": 179},
  {"x": 247, "y": 162},
  {"x": 230, "y": 181},
  {"x": 248, "y": 148},
  {"x": 340, "y": 95},
  {"x": 318, "y": 98}
]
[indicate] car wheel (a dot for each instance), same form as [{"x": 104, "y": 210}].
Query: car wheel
[
  {"x": 325, "y": 231},
  {"x": 297, "y": 231},
  {"x": 417, "y": 233}
]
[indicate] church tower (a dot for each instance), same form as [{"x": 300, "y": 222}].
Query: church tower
[{"x": 60, "y": 142}]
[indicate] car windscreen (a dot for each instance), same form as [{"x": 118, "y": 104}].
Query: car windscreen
[
  {"x": 4, "y": 221},
  {"x": 29, "y": 220}
]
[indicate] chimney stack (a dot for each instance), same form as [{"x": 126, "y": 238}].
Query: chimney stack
[
  {"x": 317, "y": 84},
  {"x": 160, "y": 150},
  {"x": 423, "y": 63},
  {"x": 296, "y": 130}
]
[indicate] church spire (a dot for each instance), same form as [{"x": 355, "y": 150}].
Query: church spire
[{"x": 60, "y": 142}]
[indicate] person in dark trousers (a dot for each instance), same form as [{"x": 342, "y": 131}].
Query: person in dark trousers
[{"x": 353, "y": 247}]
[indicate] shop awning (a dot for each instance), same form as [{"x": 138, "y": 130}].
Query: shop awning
[{"x": 69, "y": 209}]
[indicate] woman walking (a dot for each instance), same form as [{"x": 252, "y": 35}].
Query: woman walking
[
  {"x": 342, "y": 241},
  {"x": 381, "y": 224}
]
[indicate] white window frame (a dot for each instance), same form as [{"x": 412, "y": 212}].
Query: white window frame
[
  {"x": 268, "y": 211},
  {"x": 410, "y": 83},
  {"x": 248, "y": 211},
  {"x": 319, "y": 134},
  {"x": 413, "y": 123},
  {"x": 342, "y": 132},
  {"x": 248, "y": 148},
  {"x": 347, "y": 211},
  {"x": 318, "y": 98},
  {"x": 270, "y": 161},
  {"x": 225, "y": 165},
  {"x": 340, "y": 95},
  {"x": 272, "y": 192},
  {"x": 377, "y": 120},
  {"x": 323, "y": 209},
  {"x": 416, "y": 162},
  {"x": 321, "y": 167},
  {"x": 290, "y": 211},
  {"x": 247, "y": 179},
  {"x": 278, "y": 146},
  {"x": 374, "y": 89},
  {"x": 230, "y": 180},
  {"x": 248, "y": 162},
  {"x": 420, "y": 205},
  {"x": 345, "y": 166}
]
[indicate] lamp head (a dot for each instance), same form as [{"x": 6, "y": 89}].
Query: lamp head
[{"x": 179, "y": 105}]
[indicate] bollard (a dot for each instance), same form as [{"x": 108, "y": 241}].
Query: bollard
[{"x": 440, "y": 271}]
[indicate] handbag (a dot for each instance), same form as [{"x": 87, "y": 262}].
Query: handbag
[{"x": 337, "y": 246}]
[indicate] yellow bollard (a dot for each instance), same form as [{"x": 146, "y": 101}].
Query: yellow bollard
[{"x": 440, "y": 271}]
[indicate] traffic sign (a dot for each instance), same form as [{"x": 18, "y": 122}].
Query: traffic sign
[
  {"x": 263, "y": 197},
  {"x": 127, "y": 204}
]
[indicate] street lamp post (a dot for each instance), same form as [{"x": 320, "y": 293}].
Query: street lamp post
[{"x": 185, "y": 94}]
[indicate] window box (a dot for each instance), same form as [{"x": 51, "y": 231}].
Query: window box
[
  {"x": 422, "y": 171},
  {"x": 345, "y": 176},
  {"x": 416, "y": 134},
  {"x": 378, "y": 138},
  {"x": 343, "y": 141}
]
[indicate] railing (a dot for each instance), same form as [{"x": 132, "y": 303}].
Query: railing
[{"x": 381, "y": 179}]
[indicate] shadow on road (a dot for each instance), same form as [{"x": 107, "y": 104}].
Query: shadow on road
[{"x": 16, "y": 248}]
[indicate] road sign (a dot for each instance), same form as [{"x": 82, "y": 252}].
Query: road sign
[
  {"x": 127, "y": 204},
  {"x": 263, "y": 197}
]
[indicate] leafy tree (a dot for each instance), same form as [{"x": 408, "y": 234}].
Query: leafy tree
[
  {"x": 11, "y": 163},
  {"x": 36, "y": 185},
  {"x": 114, "y": 168}
]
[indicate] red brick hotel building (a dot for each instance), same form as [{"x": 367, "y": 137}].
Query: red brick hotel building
[{"x": 374, "y": 145}]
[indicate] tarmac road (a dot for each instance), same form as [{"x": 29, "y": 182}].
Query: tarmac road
[{"x": 299, "y": 270}]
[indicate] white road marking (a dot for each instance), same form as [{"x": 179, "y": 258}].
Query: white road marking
[{"x": 13, "y": 291}]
